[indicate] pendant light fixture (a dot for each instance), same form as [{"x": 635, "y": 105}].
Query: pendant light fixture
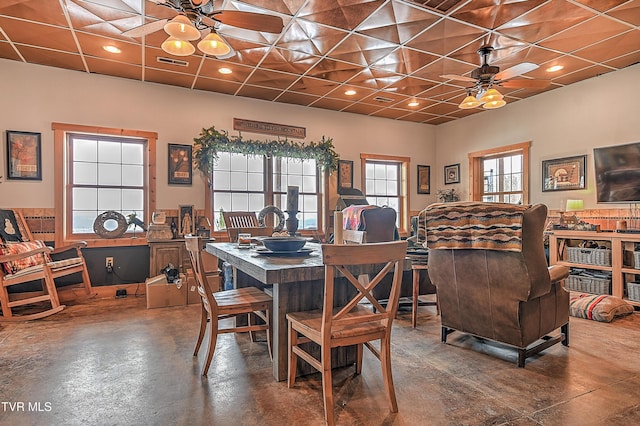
[
  {"x": 214, "y": 45},
  {"x": 489, "y": 99},
  {"x": 181, "y": 28}
]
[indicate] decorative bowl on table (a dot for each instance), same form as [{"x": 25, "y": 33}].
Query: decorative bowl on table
[{"x": 284, "y": 244}]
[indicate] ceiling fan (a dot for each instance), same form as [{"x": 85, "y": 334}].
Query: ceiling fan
[
  {"x": 198, "y": 18},
  {"x": 487, "y": 76}
]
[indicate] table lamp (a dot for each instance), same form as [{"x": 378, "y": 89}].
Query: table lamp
[{"x": 572, "y": 206}]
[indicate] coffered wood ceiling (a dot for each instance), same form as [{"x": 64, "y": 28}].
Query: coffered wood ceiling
[{"x": 389, "y": 51}]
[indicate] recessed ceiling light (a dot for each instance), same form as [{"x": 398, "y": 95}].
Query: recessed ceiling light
[
  {"x": 413, "y": 103},
  {"x": 555, "y": 68},
  {"x": 111, "y": 49},
  {"x": 225, "y": 70},
  {"x": 350, "y": 92}
]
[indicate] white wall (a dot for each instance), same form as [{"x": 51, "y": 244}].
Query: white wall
[
  {"x": 568, "y": 121},
  {"x": 35, "y": 96}
]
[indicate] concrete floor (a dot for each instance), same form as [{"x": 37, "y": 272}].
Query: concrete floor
[{"x": 113, "y": 362}]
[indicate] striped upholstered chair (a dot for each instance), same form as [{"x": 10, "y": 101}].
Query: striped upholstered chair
[{"x": 487, "y": 262}]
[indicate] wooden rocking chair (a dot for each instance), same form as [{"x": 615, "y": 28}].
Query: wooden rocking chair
[{"x": 23, "y": 259}]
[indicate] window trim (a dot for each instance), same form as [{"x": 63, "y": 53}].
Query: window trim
[
  {"x": 61, "y": 186},
  {"x": 476, "y": 178},
  {"x": 404, "y": 198}
]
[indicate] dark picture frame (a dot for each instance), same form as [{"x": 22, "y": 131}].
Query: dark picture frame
[
  {"x": 180, "y": 164},
  {"x": 24, "y": 155},
  {"x": 452, "y": 174},
  {"x": 345, "y": 174},
  {"x": 564, "y": 174},
  {"x": 424, "y": 179},
  {"x": 186, "y": 224}
]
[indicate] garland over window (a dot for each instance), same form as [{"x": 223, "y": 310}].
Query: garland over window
[{"x": 211, "y": 142}]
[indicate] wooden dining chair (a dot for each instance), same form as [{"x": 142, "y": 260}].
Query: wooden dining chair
[
  {"x": 225, "y": 304},
  {"x": 240, "y": 219},
  {"x": 25, "y": 260},
  {"x": 351, "y": 324}
]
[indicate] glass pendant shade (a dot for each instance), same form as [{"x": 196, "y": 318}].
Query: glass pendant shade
[
  {"x": 469, "y": 102},
  {"x": 491, "y": 95},
  {"x": 494, "y": 104},
  {"x": 177, "y": 47},
  {"x": 181, "y": 28},
  {"x": 213, "y": 45}
]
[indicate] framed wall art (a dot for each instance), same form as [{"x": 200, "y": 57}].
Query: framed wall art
[
  {"x": 345, "y": 174},
  {"x": 185, "y": 220},
  {"x": 424, "y": 179},
  {"x": 24, "y": 159},
  {"x": 562, "y": 174},
  {"x": 452, "y": 174},
  {"x": 180, "y": 164}
]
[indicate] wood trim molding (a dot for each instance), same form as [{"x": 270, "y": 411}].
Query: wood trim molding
[{"x": 62, "y": 188}]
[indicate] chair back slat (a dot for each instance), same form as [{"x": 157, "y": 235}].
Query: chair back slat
[
  {"x": 194, "y": 247},
  {"x": 386, "y": 257},
  {"x": 240, "y": 219}
]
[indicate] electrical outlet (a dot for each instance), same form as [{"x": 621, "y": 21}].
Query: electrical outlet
[{"x": 109, "y": 264}]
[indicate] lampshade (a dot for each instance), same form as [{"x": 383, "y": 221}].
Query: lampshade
[
  {"x": 213, "y": 45},
  {"x": 494, "y": 104},
  {"x": 469, "y": 102},
  {"x": 177, "y": 47},
  {"x": 575, "y": 205},
  {"x": 181, "y": 27},
  {"x": 491, "y": 95}
]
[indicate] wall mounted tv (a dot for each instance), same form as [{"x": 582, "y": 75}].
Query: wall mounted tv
[{"x": 618, "y": 173}]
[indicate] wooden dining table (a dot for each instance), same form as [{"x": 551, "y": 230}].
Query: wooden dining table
[{"x": 296, "y": 283}]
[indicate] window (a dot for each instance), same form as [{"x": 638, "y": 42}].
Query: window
[
  {"x": 249, "y": 183},
  {"x": 385, "y": 183},
  {"x": 500, "y": 175},
  {"x": 100, "y": 170}
]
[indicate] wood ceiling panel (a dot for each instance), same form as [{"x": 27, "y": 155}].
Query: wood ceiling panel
[
  {"x": 393, "y": 49},
  {"x": 40, "y": 35},
  {"x": 52, "y": 58},
  {"x": 112, "y": 68},
  {"x": 155, "y": 75}
]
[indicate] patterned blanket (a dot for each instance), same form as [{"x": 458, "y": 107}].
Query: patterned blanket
[
  {"x": 474, "y": 225},
  {"x": 352, "y": 216}
]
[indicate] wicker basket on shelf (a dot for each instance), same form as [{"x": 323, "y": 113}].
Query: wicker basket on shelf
[
  {"x": 633, "y": 291},
  {"x": 586, "y": 284},
  {"x": 589, "y": 256}
]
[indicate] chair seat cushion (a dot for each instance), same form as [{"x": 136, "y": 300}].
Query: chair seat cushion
[
  {"x": 603, "y": 308},
  {"x": 15, "y": 266}
]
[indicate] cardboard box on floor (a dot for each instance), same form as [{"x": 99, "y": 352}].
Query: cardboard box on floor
[
  {"x": 161, "y": 293},
  {"x": 192, "y": 288}
]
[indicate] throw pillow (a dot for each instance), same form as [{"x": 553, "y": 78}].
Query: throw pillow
[
  {"x": 16, "y": 248},
  {"x": 603, "y": 308}
]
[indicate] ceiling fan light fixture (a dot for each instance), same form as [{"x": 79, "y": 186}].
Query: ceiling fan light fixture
[
  {"x": 494, "y": 104},
  {"x": 181, "y": 28},
  {"x": 177, "y": 47},
  {"x": 490, "y": 96},
  {"x": 213, "y": 45},
  {"x": 469, "y": 102}
]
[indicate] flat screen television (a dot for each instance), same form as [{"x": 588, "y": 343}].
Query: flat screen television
[{"x": 618, "y": 173}]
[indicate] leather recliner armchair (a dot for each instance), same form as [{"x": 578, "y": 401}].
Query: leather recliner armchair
[{"x": 488, "y": 264}]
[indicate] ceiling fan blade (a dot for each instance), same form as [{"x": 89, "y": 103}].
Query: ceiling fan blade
[
  {"x": 458, "y": 77},
  {"x": 515, "y": 71},
  {"x": 249, "y": 20},
  {"x": 525, "y": 84},
  {"x": 145, "y": 29}
]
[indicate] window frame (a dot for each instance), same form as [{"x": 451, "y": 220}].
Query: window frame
[
  {"x": 476, "y": 175},
  {"x": 62, "y": 199},
  {"x": 403, "y": 193},
  {"x": 270, "y": 194}
]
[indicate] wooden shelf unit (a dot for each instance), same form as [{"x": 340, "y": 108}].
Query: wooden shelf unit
[{"x": 620, "y": 243}]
